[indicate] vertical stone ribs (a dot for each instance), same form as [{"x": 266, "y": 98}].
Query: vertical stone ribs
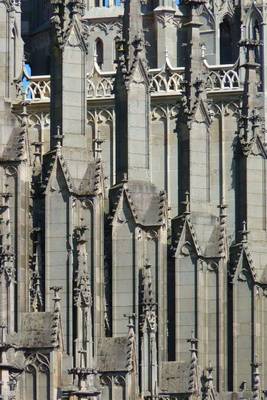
[
  {"x": 148, "y": 330},
  {"x": 82, "y": 297}
]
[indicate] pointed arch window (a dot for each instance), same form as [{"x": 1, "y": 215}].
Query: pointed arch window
[
  {"x": 116, "y": 48},
  {"x": 99, "y": 49},
  {"x": 14, "y": 51},
  {"x": 226, "y": 41},
  {"x": 256, "y": 35}
]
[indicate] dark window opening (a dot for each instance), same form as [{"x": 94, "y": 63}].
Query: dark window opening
[
  {"x": 99, "y": 52},
  {"x": 116, "y": 48},
  {"x": 226, "y": 42},
  {"x": 257, "y": 36}
]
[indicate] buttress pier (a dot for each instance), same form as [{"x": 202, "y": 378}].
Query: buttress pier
[{"x": 133, "y": 200}]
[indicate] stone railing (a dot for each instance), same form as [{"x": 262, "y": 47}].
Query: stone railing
[
  {"x": 35, "y": 89},
  {"x": 100, "y": 85},
  {"x": 223, "y": 78},
  {"x": 166, "y": 81},
  {"x": 163, "y": 82}
]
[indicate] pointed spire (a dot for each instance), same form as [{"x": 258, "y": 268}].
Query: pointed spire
[
  {"x": 193, "y": 375},
  {"x": 133, "y": 22},
  {"x": 251, "y": 78},
  {"x": 133, "y": 32},
  {"x": 193, "y": 83}
]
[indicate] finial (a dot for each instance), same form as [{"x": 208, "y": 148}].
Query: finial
[
  {"x": 125, "y": 177},
  {"x": 56, "y": 298},
  {"x": 147, "y": 264},
  {"x": 203, "y": 50},
  {"x": 59, "y": 137},
  {"x": 208, "y": 383},
  {"x": 24, "y": 103},
  {"x": 193, "y": 341},
  {"x": 166, "y": 55},
  {"x": 186, "y": 202},
  {"x": 256, "y": 379},
  {"x": 222, "y": 207},
  {"x": 210, "y": 376},
  {"x": 98, "y": 142},
  {"x": 131, "y": 320},
  {"x": 210, "y": 368},
  {"x": 3, "y": 328},
  {"x": 82, "y": 353},
  {"x": 244, "y": 232},
  {"x": 243, "y": 388}
]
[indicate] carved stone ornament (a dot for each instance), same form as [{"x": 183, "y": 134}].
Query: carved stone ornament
[
  {"x": 186, "y": 249},
  {"x": 212, "y": 266},
  {"x": 66, "y": 20},
  {"x": 105, "y": 380},
  {"x": 8, "y": 269},
  {"x": 106, "y": 27},
  {"x": 168, "y": 19},
  {"x": 82, "y": 292},
  {"x": 119, "y": 380},
  {"x": 39, "y": 360},
  {"x": 10, "y": 4},
  {"x": 243, "y": 275}
]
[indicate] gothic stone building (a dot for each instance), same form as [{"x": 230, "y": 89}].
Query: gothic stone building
[{"x": 133, "y": 200}]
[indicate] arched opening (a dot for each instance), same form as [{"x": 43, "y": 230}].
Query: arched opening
[
  {"x": 116, "y": 48},
  {"x": 14, "y": 51},
  {"x": 99, "y": 48},
  {"x": 226, "y": 42},
  {"x": 256, "y": 35}
]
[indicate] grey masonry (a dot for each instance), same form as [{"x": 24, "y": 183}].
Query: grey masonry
[{"x": 133, "y": 189}]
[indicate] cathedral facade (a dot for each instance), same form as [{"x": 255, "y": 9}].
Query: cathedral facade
[{"x": 133, "y": 199}]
